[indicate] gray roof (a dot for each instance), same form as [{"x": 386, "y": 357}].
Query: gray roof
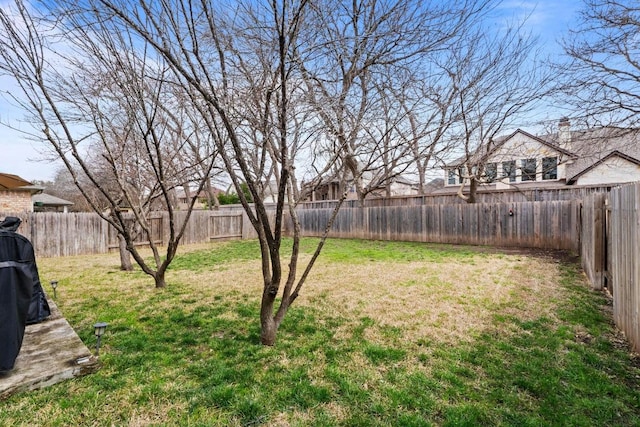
[{"x": 49, "y": 200}]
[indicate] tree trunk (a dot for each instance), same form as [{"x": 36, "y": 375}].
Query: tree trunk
[
  {"x": 473, "y": 187},
  {"x": 268, "y": 323},
  {"x": 268, "y": 326},
  {"x": 125, "y": 256},
  {"x": 268, "y": 330},
  {"x": 159, "y": 279},
  {"x": 421, "y": 189},
  {"x": 212, "y": 199}
]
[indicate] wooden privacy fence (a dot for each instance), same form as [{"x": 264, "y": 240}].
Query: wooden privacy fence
[
  {"x": 624, "y": 264},
  {"x": 56, "y": 234},
  {"x": 593, "y": 239},
  {"x": 548, "y": 225},
  {"x": 610, "y": 253}
]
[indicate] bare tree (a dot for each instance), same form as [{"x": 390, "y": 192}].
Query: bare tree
[
  {"x": 234, "y": 65},
  {"x": 600, "y": 79},
  {"x": 243, "y": 68},
  {"x": 104, "y": 106},
  {"x": 394, "y": 146},
  {"x": 430, "y": 111},
  {"x": 496, "y": 81},
  {"x": 63, "y": 187},
  {"x": 366, "y": 49},
  {"x": 265, "y": 78}
]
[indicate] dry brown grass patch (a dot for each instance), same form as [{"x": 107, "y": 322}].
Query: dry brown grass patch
[{"x": 444, "y": 302}]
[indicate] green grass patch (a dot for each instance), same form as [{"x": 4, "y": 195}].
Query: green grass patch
[
  {"x": 189, "y": 355},
  {"x": 226, "y": 252}
]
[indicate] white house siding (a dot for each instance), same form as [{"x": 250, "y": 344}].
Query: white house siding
[
  {"x": 402, "y": 189},
  {"x": 612, "y": 171},
  {"x": 519, "y": 147}
]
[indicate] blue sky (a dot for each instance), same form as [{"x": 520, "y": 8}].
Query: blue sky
[
  {"x": 21, "y": 156},
  {"x": 549, "y": 19}
]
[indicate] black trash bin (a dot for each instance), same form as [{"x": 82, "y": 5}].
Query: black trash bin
[{"x": 22, "y": 299}]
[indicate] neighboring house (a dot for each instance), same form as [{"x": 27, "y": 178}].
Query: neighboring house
[
  {"x": 47, "y": 203},
  {"x": 599, "y": 156},
  {"x": 270, "y": 192},
  {"x": 327, "y": 190},
  {"x": 15, "y": 200},
  {"x": 399, "y": 186},
  {"x": 15, "y": 194},
  {"x": 433, "y": 185},
  {"x": 201, "y": 203},
  {"x": 331, "y": 189}
]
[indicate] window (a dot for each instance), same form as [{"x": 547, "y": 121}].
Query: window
[
  {"x": 454, "y": 176},
  {"x": 550, "y": 168},
  {"x": 528, "y": 169},
  {"x": 451, "y": 180},
  {"x": 509, "y": 170},
  {"x": 491, "y": 172}
]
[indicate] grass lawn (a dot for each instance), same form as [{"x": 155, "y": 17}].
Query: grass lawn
[{"x": 401, "y": 334}]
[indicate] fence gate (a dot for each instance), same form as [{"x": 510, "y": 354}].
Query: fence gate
[{"x": 225, "y": 226}]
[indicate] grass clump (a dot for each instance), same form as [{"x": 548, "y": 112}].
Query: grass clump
[{"x": 407, "y": 334}]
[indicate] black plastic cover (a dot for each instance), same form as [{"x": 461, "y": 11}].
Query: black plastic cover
[{"x": 22, "y": 299}]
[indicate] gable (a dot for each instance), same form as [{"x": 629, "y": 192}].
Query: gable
[
  {"x": 522, "y": 145},
  {"x": 613, "y": 169},
  {"x": 518, "y": 145}
]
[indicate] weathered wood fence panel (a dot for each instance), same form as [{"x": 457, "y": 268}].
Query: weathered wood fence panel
[
  {"x": 197, "y": 227},
  {"x": 53, "y": 234},
  {"x": 592, "y": 239},
  {"x": 549, "y": 225},
  {"x": 625, "y": 260},
  {"x": 227, "y": 226},
  {"x": 156, "y": 230}
]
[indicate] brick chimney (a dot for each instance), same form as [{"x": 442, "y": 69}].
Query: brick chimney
[{"x": 564, "y": 133}]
